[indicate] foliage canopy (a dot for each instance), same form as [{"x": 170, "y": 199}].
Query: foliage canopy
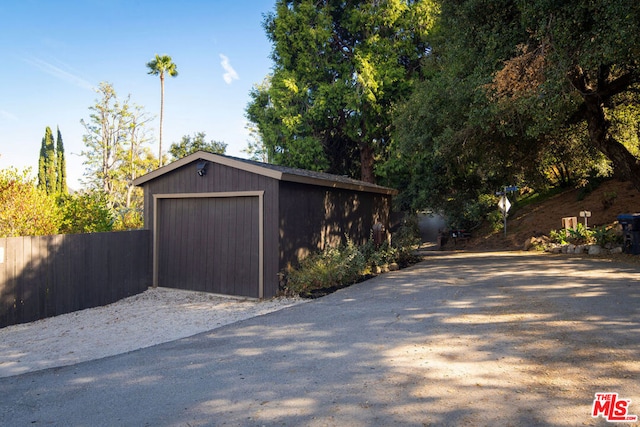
[
  {"x": 190, "y": 144},
  {"x": 340, "y": 69},
  {"x": 116, "y": 152},
  {"x": 25, "y": 210},
  {"x": 533, "y": 93}
]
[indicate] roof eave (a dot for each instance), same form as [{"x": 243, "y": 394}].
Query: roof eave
[
  {"x": 264, "y": 171},
  {"x": 203, "y": 155},
  {"x": 338, "y": 184}
]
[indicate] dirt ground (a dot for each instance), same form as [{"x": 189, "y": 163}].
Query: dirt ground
[{"x": 538, "y": 219}]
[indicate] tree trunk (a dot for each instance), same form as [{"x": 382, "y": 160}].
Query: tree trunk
[
  {"x": 366, "y": 163},
  {"x": 624, "y": 163},
  {"x": 130, "y": 187},
  {"x": 161, "y": 118}
]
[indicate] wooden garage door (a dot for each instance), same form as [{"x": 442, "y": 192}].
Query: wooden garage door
[{"x": 209, "y": 244}]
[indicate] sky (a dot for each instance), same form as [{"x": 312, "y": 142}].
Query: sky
[{"x": 56, "y": 53}]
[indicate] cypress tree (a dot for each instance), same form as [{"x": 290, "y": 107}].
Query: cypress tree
[
  {"x": 47, "y": 163},
  {"x": 42, "y": 176},
  {"x": 61, "y": 166}
]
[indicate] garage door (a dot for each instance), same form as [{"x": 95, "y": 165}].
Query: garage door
[{"x": 209, "y": 242}]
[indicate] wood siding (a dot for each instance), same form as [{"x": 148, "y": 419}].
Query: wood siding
[
  {"x": 221, "y": 178},
  {"x": 312, "y": 218},
  {"x": 210, "y": 242},
  {"x": 50, "y": 275},
  {"x": 300, "y": 216}
]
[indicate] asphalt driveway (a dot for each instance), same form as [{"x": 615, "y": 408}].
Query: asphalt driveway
[{"x": 460, "y": 339}]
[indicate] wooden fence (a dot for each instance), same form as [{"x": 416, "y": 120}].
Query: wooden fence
[{"x": 50, "y": 275}]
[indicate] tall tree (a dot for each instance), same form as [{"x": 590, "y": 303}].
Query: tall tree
[
  {"x": 514, "y": 91},
  {"x": 47, "y": 164},
  {"x": 440, "y": 159},
  {"x": 256, "y": 148},
  {"x": 103, "y": 139},
  {"x": 159, "y": 66},
  {"x": 136, "y": 158},
  {"x": 580, "y": 63},
  {"x": 340, "y": 68},
  {"x": 61, "y": 169},
  {"x": 190, "y": 144},
  {"x": 115, "y": 153}
]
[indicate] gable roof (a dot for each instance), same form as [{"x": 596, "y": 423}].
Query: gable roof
[{"x": 281, "y": 173}]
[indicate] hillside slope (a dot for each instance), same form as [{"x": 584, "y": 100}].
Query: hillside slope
[{"x": 539, "y": 218}]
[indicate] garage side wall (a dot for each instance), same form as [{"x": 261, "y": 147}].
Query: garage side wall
[
  {"x": 315, "y": 217},
  {"x": 219, "y": 179}
]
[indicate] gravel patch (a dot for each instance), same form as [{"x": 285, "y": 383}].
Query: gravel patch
[{"x": 153, "y": 317}]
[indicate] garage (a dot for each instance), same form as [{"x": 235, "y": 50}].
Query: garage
[
  {"x": 229, "y": 226},
  {"x": 210, "y": 242}
]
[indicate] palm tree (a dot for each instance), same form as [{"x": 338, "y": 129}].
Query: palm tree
[{"x": 162, "y": 65}]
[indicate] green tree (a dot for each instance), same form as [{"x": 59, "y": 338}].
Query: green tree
[
  {"x": 47, "y": 172},
  {"x": 255, "y": 148},
  {"x": 115, "y": 153},
  {"x": 440, "y": 156},
  {"x": 25, "y": 210},
  {"x": 137, "y": 159},
  {"x": 579, "y": 63},
  {"x": 103, "y": 139},
  {"x": 340, "y": 68},
  {"x": 161, "y": 66},
  {"x": 61, "y": 169},
  {"x": 85, "y": 212},
  {"x": 500, "y": 102},
  {"x": 189, "y": 145}
]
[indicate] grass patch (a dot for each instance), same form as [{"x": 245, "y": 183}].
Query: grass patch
[{"x": 539, "y": 197}]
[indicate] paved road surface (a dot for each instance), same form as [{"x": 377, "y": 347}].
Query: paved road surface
[{"x": 460, "y": 339}]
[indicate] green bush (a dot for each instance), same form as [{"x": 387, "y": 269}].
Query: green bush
[
  {"x": 337, "y": 267},
  {"x": 378, "y": 256},
  {"x": 496, "y": 220},
  {"x": 581, "y": 235},
  {"x": 605, "y": 234},
  {"x": 558, "y": 236},
  {"x": 406, "y": 240},
  {"x": 327, "y": 270},
  {"x": 25, "y": 210},
  {"x": 85, "y": 212}
]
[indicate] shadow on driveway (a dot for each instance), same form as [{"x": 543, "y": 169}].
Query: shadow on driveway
[{"x": 459, "y": 339}]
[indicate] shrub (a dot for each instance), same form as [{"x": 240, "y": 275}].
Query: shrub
[
  {"x": 85, "y": 213},
  {"x": 406, "y": 240},
  {"x": 496, "y": 220},
  {"x": 378, "y": 256},
  {"x": 325, "y": 271},
  {"x": 128, "y": 219},
  {"x": 605, "y": 234},
  {"x": 581, "y": 235},
  {"x": 558, "y": 236},
  {"x": 24, "y": 209},
  {"x": 337, "y": 267}
]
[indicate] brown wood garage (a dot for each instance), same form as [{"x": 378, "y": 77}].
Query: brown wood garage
[
  {"x": 229, "y": 226},
  {"x": 217, "y": 246}
]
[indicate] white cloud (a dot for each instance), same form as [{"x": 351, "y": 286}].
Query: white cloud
[
  {"x": 59, "y": 73},
  {"x": 230, "y": 74},
  {"x": 7, "y": 115}
]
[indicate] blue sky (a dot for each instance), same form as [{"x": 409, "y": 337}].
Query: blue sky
[{"x": 56, "y": 52}]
